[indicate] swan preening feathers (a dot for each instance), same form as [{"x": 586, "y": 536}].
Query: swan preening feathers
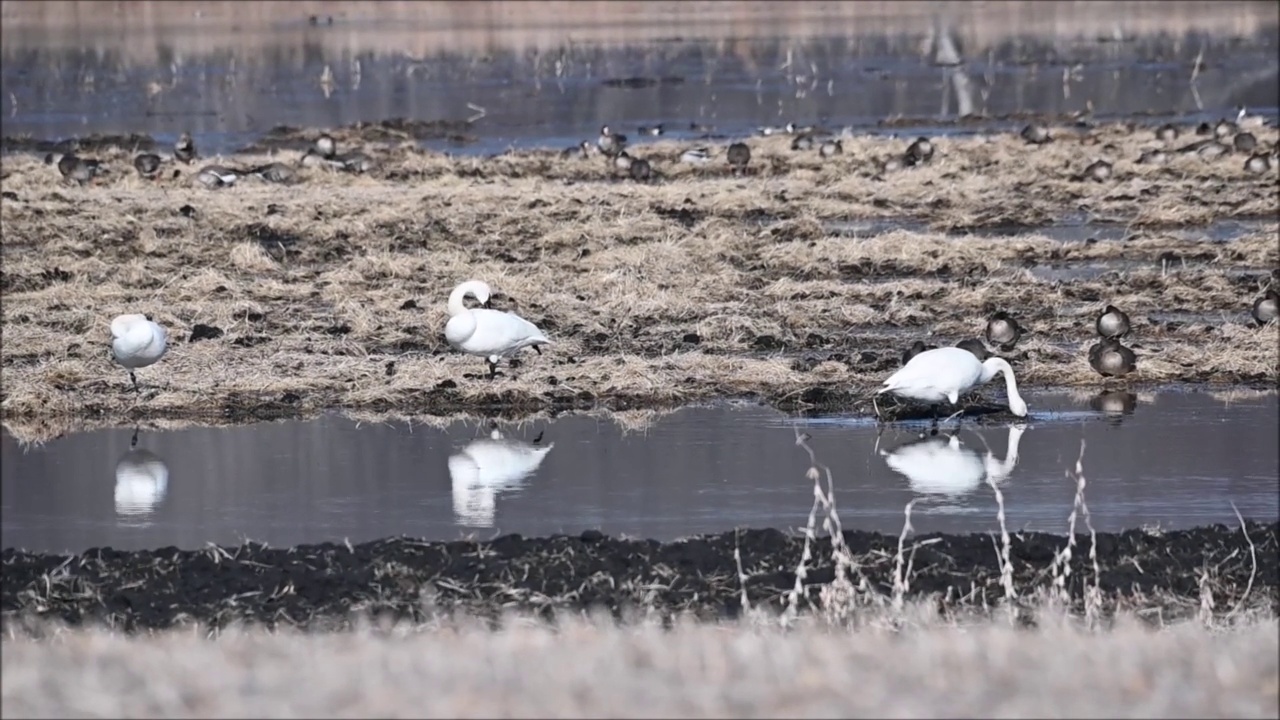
[
  {"x": 490, "y": 334},
  {"x": 947, "y": 373},
  {"x": 137, "y": 342}
]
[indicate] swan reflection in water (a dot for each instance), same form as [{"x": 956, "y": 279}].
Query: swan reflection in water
[
  {"x": 142, "y": 479},
  {"x": 485, "y": 467},
  {"x": 943, "y": 465}
]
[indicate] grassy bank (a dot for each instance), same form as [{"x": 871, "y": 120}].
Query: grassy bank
[{"x": 330, "y": 293}]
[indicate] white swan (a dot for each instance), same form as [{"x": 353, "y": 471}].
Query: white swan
[
  {"x": 491, "y": 334},
  {"x": 142, "y": 479},
  {"x": 942, "y": 465},
  {"x": 946, "y": 374},
  {"x": 137, "y": 342},
  {"x": 483, "y": 468}
]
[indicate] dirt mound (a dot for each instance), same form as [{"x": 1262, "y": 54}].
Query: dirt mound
[{"x": 328, "y": 585}]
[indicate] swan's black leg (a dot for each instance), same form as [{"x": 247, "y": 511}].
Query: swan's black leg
[
  {"x": 539, "y": 438},
  {"x": 493, "y": 369},
  {"x": 133, "y": 442},
  {"x": 537, "y": 349},
  {"x": 134, "y": 378}
]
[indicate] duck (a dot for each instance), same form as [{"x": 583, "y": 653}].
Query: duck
[
  {"x": 137, "y": 342},
  {"x": 583, "y": 150},
  {"x": 696, "y": 156},
  {"x": 831, "y": 148},
  {"x": 1112, "y": 359},
  {"x": 1167, "y": 133},
  {"x": 1153, "y": 157},
  {"x": 1225, "y": 128},
  {"x": 1098, "y": 171},
  {"x": 1266, "y": 307},
  {"x": 622, "y": 161},
  {"x": 609, "y": 142},
  {"x": 767, "y": 130},
  {"x": 975, "y": 346},
  {"x": 184, "y": 150},
  {"x": 76, "y": 169},
  {"x": 640, "y": 170},
  {"x": 1112, "y": 323},
  {"x": 484, "y": 332},
  {"x": 892, "y": 164},
  {"x": 147, "y": 165},
  {"x": 216, "y": 176},
  {"x": 802, "y": 142},
  {"x": 355, "y": 162},
  {"x": 947, "y": 373},
  {"x": 1257, "y": 164},
  {"x": 1209, "y": 148},
  {"x": 1244, "y": 142},
  {"x": 276, "y": 172},
  {"x": 919, "y": 151},
  {"x": 738, "y": 156},
  {"x": 1035, "y": 134},
  {"x": 1003, "y": 331},
  {"x": 651, "y": 130},
  {"x": 916, "y": 348}
]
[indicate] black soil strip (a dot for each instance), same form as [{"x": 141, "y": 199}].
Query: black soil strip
[{"x": 1171, "y": 575}]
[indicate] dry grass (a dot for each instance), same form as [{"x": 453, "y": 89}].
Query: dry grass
[
  {"x": 589, "y": 669},
  {"x": 311, "y": 282}
]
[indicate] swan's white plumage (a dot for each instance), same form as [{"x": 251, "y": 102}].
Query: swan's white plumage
[
  {"x": 142, "y": 479},
  {"x": 947, "y": 373},
  {"x": 942, "y": 465},
  {"x": 491, "y": 334},
  {"x": 136, "y": 341},
  {"x": 485, "y": 467}
]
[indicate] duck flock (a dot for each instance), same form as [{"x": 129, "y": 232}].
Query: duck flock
[{"x": 929, "y": 375}]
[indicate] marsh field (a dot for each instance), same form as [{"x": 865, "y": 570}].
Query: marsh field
[{"x": 688, "y": 487}]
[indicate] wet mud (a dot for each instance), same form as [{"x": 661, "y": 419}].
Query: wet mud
[{"x": 1163, "y": 576}]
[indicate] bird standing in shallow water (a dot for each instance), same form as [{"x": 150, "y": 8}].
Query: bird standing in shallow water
[
  {"x": 491, "y": 334},
  {"x": 1266, "y": 308},
  {"x": 1112, "y": 323},
  {"x": 1112, "y": 359},
  {"x": 947, "y": 373},
  {"x": 1003, "y": 331},
  {"x": 137, "y": 342}
]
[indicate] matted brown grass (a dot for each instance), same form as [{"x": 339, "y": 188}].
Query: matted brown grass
[
  {"x": 331, "y": 292},
  {"x": 591, "y": 669}
]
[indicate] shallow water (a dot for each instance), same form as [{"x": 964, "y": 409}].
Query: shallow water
[
  {"x": 1174, "y": 460},
  {"x": 228, "y": 95}
]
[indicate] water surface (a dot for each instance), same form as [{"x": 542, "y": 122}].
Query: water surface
[
  {"x": 163, "y": 81},
  {"x": 1172, "y": 460}
]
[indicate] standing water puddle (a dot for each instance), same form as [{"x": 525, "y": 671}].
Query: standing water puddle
[{"x": 1171, "y": 460}]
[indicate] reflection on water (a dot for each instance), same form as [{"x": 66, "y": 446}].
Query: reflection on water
[
  {"x": 1170, "y": 459},
  {"x": 944, "y": 465},
  {"x": 142, "y": 477},
  {"x": 484, "y": 468},
  {"x": 228, "y": 93}
]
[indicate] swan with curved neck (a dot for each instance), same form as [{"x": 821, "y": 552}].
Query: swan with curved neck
[
  {"x": 946, "y": 374},
  {"x": 137, "y": 342},
  {"x": 491, "y": 334}
]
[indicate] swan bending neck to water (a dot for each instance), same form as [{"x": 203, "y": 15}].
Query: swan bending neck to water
[
  {"x": 947, "y": 373},
  {"x": 943, "y": 465},
  {"x": 137, "y": 342},
  {"x": 491, "y": 334}
]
